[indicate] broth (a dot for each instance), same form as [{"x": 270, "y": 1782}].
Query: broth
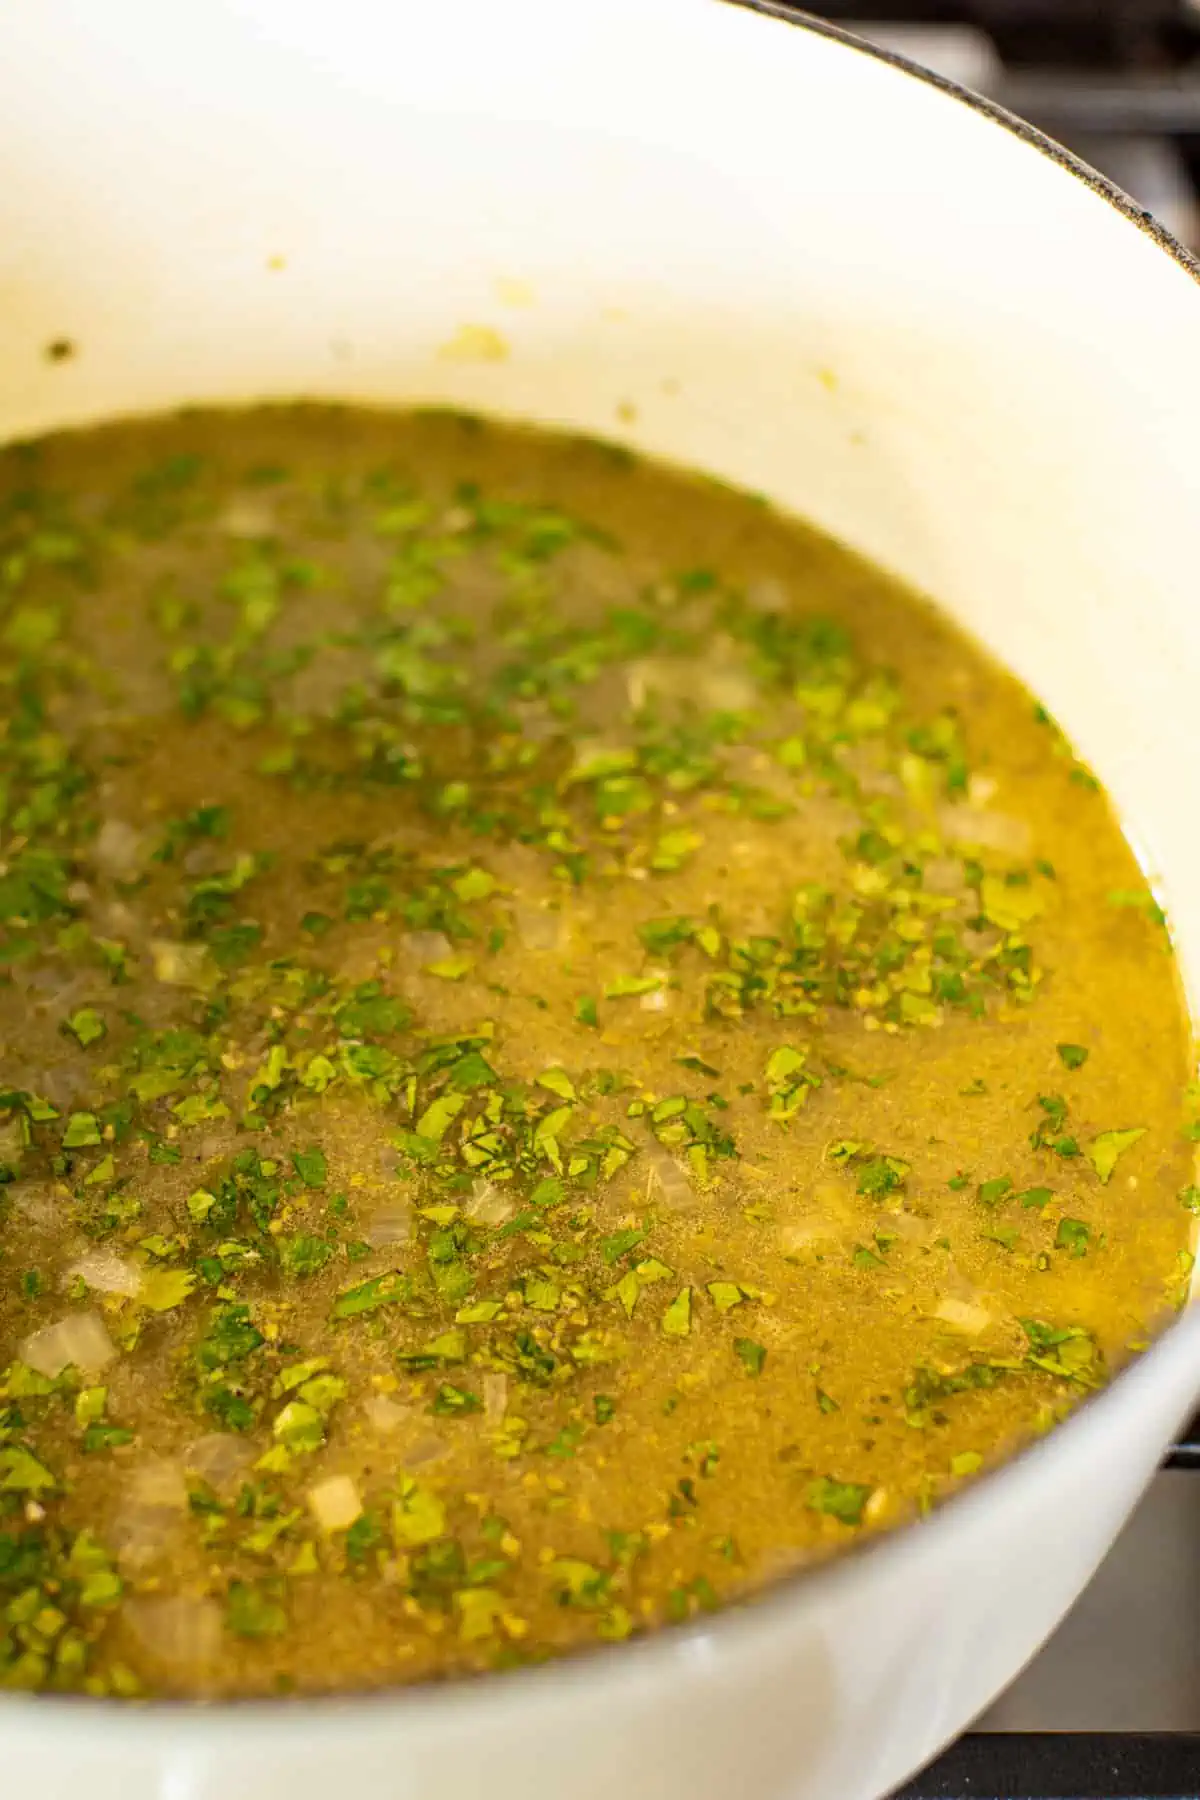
[{"x": 569, "y": 1047}]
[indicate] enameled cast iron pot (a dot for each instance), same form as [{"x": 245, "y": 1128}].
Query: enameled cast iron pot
[{"x": 737, "y": 239}]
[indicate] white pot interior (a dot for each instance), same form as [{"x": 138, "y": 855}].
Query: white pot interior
[{"x": 691, "y": 228}]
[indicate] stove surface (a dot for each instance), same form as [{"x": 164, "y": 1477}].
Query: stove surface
[{"x": 1118, "y": 81}]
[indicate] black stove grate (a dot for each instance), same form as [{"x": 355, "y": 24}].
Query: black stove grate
[
  {"x": 1186, "y": 1455},
  {"x": 1063, "y": 1766},
  {"x": 1074, "y": 34},
  {"x": 1084, "y": 70}
]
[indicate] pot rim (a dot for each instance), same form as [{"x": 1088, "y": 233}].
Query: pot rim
[{"x": 179, "y": 1724}]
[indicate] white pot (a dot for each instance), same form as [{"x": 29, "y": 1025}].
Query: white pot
[{"x": 809, "y": 271}]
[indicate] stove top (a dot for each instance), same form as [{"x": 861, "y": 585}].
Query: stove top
[{"x": 1118, "y": 81}]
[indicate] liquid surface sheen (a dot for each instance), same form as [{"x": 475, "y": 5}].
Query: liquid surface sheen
[{"x": 567, "y": 1048}]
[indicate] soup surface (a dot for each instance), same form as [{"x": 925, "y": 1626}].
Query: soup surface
[{"x": 567, "y": 1048}]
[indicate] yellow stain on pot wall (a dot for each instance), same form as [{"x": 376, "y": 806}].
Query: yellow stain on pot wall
[
  {"x": 475, "y": 344},
  {"x": 510, "y": 291}
]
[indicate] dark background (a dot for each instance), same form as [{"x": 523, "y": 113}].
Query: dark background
[{"x": 1086, "y": 71}]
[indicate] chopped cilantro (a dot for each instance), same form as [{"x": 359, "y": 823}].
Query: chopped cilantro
[
  {"x": 310, "y": 1166},
  {"x": 1073, "y": 1235},
  {"x": 752, "y": 1355},
  {"x": 1105, "y": 1151},
  {"x": 842, "y": 1500},
  {"x": 253, "y": 1610}
]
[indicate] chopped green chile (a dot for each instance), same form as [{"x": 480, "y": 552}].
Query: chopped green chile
[{"x": 545, "y": 1071}]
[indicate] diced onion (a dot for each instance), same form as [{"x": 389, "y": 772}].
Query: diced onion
[
  {"x": 158, "y": 1482},
  {"x": 12, "y": 1139},
  {"x": 107, "y": 1273},
  {"x": 963, "y": 1315},
  {"x": 384, "y": 1414},
  {"x": 178, "y": 965},
  {"x": 800, "y": 1234},
  {"x": 118, "y": 849},
  {"x": 428, "y": 1449},
  {"x": 495, "y": 1397},
  {"x": 247, "y": 516},
  {"x": 768, "y": 594},
  {"x": 655, "y": 1001},
  {"x": 538, "y": 927},
  {"x": 392, "y": 1224},
  {"x": 488, "y": 1205},
  {"x": 140, "y": 1535},
  {"x": 677, "y": 1192},
  {"x": 727, "y": 689},
  {"x": 212, "y": 1145},
  {"x": 907, "y": 1225},
  {"x": 204, "y": 858},
  {"x": 185, "y": 1633},
  {"x": 985, "y": 830},
  {"x": 35, "y": 1201},
  {"x": 943, "y": 875},
  {"x": 63, "y": 1084},
  {"x": 79, "y": 1341},
  {"x": 219, "y": 1458},
  {"x": 335, "y": 1503},
  {"x": 425, "y": 946}
]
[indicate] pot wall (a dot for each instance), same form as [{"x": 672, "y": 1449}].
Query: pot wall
[{"x": 749, "y": 247}]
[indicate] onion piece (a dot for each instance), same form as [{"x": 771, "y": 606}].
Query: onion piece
[
  {"x": 985, "y": 830},
  {"x": 801, "y": 1234},
  {"x": 668, "y": 1177},
  {"x": 182, "y": 1632},
  {"x": 392, "y": 1224},
  {"x": 118, "y": 849},
  {"x": 178, "y": 965},
  {"x": 384, "y": 1414},
  {"x": 158, "y": 1482},
  {"x": 12, "y": 1138},
  {"x": 908, "y": 1226},
  {"x": 727, "y": 689},
  {"x": 425, "y": 946},
  {"x": 79, "y": 1341},
  {"x": 963, "y": 1315},
  {"x": 495, "y": 1397},
  {"x": 538, "y": 927},
  {"x": 219, "y": 1458},
  {"x": 246, "y": 516},
  {"x": 488, "y": 1205},
  {"x": 335, "y": 1503},
  {"x": 107, "y": 1273},
  {"x": 37, "y": 1201},
  {"x": 140, "y": 1535},
  {"x": 944, "y": 876},
  {"x": 428, "y": 1449},
  {"x": 768, "y": 593}
]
